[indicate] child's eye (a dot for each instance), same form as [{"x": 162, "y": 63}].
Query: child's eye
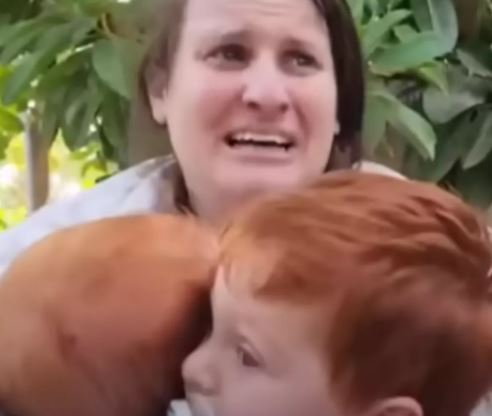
[{"x": 247, "y": 358}]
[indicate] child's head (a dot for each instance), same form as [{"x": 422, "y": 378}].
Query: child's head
[
  {"x": 360, "y": 295},
  {"x": 97, "y": 319}
]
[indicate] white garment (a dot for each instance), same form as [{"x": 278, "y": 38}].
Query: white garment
[
  {"x": 144, "y": 188},
  {"x": 141, "y": 189}
]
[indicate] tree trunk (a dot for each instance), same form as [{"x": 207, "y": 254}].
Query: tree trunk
[
  {"x": 469, "y": 12},
  {"x": 37, "y": 165}
]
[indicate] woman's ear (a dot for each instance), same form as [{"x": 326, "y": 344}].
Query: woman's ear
[
  {"x": 157, "y": 101},
  {"x": 396, "y": 406},
  {"x": 337, "y": 127},
  {"x": 155, "y": 88}
]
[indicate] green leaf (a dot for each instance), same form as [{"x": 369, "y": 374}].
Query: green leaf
[
  {"x": 9, "y": 122},
  {"x": 478, "y": 62},
  {"x": 20, "y": 9},
  {"x": 435, "y": 74},
  {"x": 108, "y": 63},
  {"x": 376, "y": 6},
  {"x": 393, "y": 4},
  {"x": 418, "y": 50},
  {"x": 114, "y": 112},
  {"x": 357, "y": 9},
  {"x": 404, "y": 32},
  {"x": 53, "y": 110},
  {"x": 375, "y": 119},
  {"x": 483, "y": 143},
  {"x": 474, "y": 184},
  {"x": 453, "y": 142},
  {"x": 23, "y": 35},
  {"x": 21, "y": 39},
  {"x": 463, "y": 93},
  {"x": 24, "y": 73},
  {"x": 377, "y": 29},
  {"x": 58, "y": 39},
  {"x": 15, "y": 30},
  {"x": 53, "y": 42},
  {"x": 82, "y": 102},
  {"x": 114, "y": 123},
  {"x": 416, "y": 129},
  {"x": 83, "y": 115},
  {"x": 410, "y": 124},
  {"x": 440, "y": 17},
  {"x": 61, "y": 73}
]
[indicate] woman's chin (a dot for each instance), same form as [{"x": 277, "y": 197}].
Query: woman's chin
[{"x": 259, "y": 180}]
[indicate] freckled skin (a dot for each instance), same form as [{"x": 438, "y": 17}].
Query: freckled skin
[{"x": 96, "y": 320}]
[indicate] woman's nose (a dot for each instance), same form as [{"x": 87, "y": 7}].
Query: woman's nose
[
  {"x": 198, "y": 372},
  {"x": 265, "y": 90}
]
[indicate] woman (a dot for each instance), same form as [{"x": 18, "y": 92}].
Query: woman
[{"x": 257, "y": 97}]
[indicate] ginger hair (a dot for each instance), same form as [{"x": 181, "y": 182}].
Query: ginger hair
[
  {"x": 402, "y": 271},
  {"x": 97, "y": 319}
]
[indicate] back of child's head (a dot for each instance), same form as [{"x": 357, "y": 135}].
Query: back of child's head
[
  {"x": 401, "y": 269},
  {"x": 96, "y": 320}
]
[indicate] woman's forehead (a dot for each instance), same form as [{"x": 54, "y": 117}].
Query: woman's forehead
[{"x": 229, "y": 14}]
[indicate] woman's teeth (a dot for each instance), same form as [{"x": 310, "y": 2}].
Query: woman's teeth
[{"x": 260, "y": 140}]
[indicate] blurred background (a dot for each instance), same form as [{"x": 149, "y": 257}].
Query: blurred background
[{"x": 68, "y": 70}]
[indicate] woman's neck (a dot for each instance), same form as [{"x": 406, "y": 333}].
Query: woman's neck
[{"x": 212, "y": 207}]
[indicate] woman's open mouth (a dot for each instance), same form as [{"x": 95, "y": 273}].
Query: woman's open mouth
[{"x": 260, "y": 140}]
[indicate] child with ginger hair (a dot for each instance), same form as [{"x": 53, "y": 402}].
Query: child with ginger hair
[
  {"x": 96, "y": 320},
  {"x": 361, "y": 295}
]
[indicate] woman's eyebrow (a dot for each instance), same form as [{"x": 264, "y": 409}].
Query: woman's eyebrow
[{"x": 233, "y": 35}]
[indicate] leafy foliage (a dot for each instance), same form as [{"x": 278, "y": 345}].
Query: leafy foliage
[
  {"x": 73, "y": 61},
  {"x": 429, "y": 95},
  {"x": 429, "y": 80}
]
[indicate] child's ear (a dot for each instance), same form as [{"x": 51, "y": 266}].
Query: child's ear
[{"x": 396, "y": 406}]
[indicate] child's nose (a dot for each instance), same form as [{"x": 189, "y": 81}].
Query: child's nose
[{"x": 198, "y": 372}]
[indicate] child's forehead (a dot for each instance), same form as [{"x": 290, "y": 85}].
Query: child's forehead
[{"x": 241, "y": 309}]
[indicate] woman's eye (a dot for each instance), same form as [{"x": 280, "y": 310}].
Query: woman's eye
[
  {"x": 246, "y": 358},
  {"x": 302, "y": 61},
  {"x": 234, "y": 53},
  {"x": 230, "y": 54}
]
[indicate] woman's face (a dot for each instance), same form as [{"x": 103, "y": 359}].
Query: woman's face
[{"x": 251, "y": 104}]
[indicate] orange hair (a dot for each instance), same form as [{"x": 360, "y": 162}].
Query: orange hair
[
  {"x": 97, "y": 319},
  {"x": 403, "y": 269}
]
